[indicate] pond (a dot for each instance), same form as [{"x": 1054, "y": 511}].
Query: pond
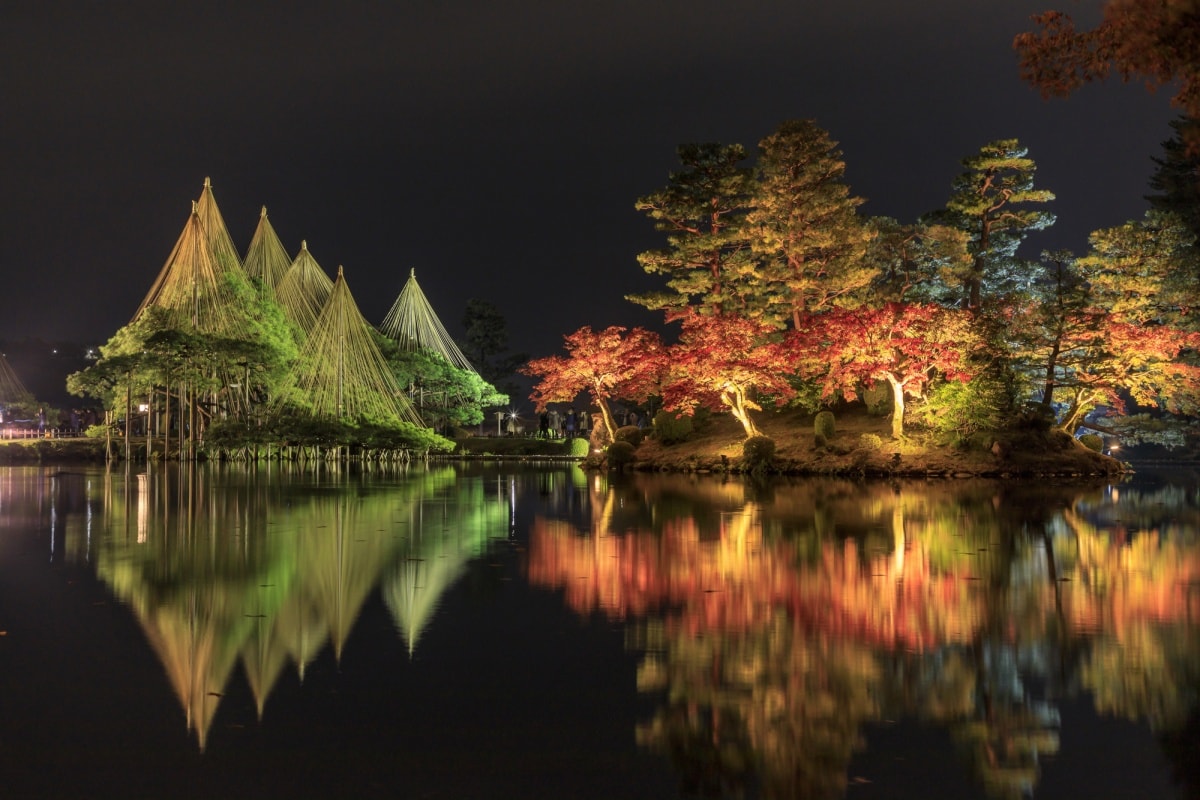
[{"x": 503, "y": 631}]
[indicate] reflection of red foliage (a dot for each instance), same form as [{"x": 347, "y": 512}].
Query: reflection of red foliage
[
  {"x": 735, "y": 583},
  {"x": 1118, "y": 586}
]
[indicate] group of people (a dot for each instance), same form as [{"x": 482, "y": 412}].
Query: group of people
[{"x": 555, "y": 425}]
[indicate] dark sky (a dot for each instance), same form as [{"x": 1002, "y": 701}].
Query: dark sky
[{"x": 496, "y": 147}]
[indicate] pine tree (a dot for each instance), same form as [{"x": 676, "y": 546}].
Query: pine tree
[
  {"x": 1176, "y": 180},
  {"x": 805, "y": 225},
  {"x": 702, "y": 211},
  {"x": 989, "y": 203}
]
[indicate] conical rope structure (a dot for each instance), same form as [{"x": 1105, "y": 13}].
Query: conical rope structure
[
  {"x": 266, "y": 259},
  {"x": 304, "y": 290},
  {"x": 11, "y": 388},
  {"x": 412, "y": 324},
  {"x": 341, "y": 371},
  {"x": 219, "y": 240},
  {"x": 190, "y": 285}
]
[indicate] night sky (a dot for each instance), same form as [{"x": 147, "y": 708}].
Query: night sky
[{"x": 495, "y": 147}]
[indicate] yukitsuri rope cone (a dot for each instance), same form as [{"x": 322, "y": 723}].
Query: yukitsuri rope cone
[
  {"x": 266, "y": 258},
  {"x": 11, "y": 388},
  {"x": 190, "y": 287},
  {"x": 304, "y": 290},
  {"x": 412, "y": 324},
  {"x": 341, "y": 372},
  {"x": 219, "y": 240}
]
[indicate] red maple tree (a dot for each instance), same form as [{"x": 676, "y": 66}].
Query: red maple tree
[
  {"x": 721, "y": 362},
  {"x": 905, "y": 345},
  {"x": 606, "y": 364}
]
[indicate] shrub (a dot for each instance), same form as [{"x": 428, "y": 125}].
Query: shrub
[
  {"x": 819, "y": 441},
  {"x": 621, "y": 453},
  {"x": 578, "y": 447},
  {"x": 629, "y": 433},
  {"x": 1092, "y": 441},
  {"x": 823, "y": 425},
  {"x": 757, "y": 452},
  {"x": 871, "y": 441},
  {"x": 962, "y": 409},
  {"x": 672, "y": 428}
]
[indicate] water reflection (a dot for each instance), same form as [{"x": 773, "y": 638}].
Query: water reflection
[
  {"x": 233, "y": 566},
  {"x": 776, "y": 624},
  {"x": 775, "y": 628}
]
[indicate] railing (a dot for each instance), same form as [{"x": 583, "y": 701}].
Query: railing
[{"x": 14, "y": 432}]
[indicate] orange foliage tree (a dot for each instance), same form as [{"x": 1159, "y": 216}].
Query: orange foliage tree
[
  {"x": 1157, "y": 41},
  {"x": 905, "y": 345},
  {"x": 721, "y": 362},
  {"x": 606, "y": 364}
]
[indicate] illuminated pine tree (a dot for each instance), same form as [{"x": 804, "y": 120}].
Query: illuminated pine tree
[
  {"x": 707, "y": 260},
  {"x": 990, "y": 202},
  {"x": 191, "y": 287},
  {"x": 805, "y": 225},
  {"x": 12, "y": 391}
]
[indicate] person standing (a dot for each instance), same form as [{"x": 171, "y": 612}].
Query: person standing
[{"x": 570, "y": 423}]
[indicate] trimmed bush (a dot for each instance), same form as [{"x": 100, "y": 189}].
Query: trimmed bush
[
  {"x": 672, "y": 428},
  {"x": 823, "y": 425},
  {"x": 629, "y": 433},
  {"x": 871, "y": 441},
  {"x": 757, "y": 452},
  {"x": 578, "y": 447},
  {"x": 1092, "y": 441},
  {"x": 621, "y": 453}
]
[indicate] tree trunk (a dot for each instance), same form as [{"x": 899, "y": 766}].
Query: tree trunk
[
  {"x": 735, "y": 399},
  {"x": 897, "y": 407}
]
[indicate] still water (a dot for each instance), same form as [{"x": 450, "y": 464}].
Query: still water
[{"x": 503, "y": 632}]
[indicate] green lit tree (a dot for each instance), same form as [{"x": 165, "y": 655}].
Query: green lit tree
[
  {"x": 995, "y": 203},
  {"x": 1146, "y": 270},
  {"x": 702, "y": 211},
  {"x": 804, "y": 224},
  {"x": 914, "y": 263}
]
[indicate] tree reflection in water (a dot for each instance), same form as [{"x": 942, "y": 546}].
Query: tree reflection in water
[
  {"x": 228, "y": 565},
  {"x": 776, "y": 624}
]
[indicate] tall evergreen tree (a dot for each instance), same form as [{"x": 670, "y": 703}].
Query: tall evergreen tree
[
  {"x": 1176, "y": 178},
  {"x": 805, "y": 225},
  {"x": 486, "y": 345},
  {"x": 990, "y": 203},
  {"x": 1146, "y": 271},
  {"x": 702, "y": 211}
]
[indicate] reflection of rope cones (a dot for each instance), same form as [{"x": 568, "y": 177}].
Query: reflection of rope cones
[
  {"x": 194, "y": 649},
  {"x": 415, "y": 589},
  {"x": 443, "y": 540}
]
